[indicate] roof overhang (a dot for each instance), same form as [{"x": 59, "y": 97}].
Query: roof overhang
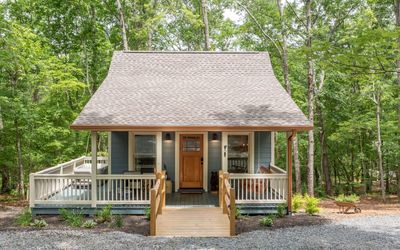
[{"x": 189, "y": 128}]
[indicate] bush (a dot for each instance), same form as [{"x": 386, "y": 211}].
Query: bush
[
  {"x": 104, "y": 214},
  {"x": 347, "y": 198},
  {"x": 281, "y": 210},
  {"x": 89, "y": 224},
  {"x": 73, "y": 218},
  {"x": 267, "y": 221},
  {"x": 311, "y": 204},
  {"x": 119, "y": 222},
  {"x": 238, "y": 213},
  {"x": 25, "y": 218},
  {"x": 297, "y": 202},
  {"x": 39, "y": 223},
  {"x": 147, "y": 213}
]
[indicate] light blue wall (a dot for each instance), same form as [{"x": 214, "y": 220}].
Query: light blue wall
[
  {"x": 119, "y": 152},
  {"x": 168, "y": 156},
  {"x": 262, "y": 149},
  {"x": 214, "y": 156}
]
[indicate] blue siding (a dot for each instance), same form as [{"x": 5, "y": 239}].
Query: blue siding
[
  {"x": 262, "y": 149},
  {"x": 214, "y": 156},
  {"x": 168, "y": 156},
  {"x": 119, "y": 152}
]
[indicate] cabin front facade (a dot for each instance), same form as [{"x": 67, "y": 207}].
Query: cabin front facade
[{"x": 193, "y": 116}]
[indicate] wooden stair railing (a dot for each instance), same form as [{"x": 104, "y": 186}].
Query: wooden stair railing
[
  {"x": 157, "y": 201},
  {"x": 227, "y": 200}
]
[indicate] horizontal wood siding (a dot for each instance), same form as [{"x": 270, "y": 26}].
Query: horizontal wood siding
[
  {"x": 262, "y": 149},
  {"x": 119, "y": 152},
  {"x": 214, "y": 156},
  {"x": 168, "y": 155}
]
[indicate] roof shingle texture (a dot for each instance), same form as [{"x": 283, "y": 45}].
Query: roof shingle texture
[{"x": 165, "y": 89}]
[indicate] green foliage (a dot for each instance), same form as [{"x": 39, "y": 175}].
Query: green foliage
[
  {"x": 238, "y": 213},
  {"x": 348, "y": 198},
  {"x": 73, "y": 218},
  {"x": 89, "y": 224},
  {"x": 297, "y": 202},
  {"x": 267, "y": 221},
  {"x": 147, "y": 213},
  {"x": 25, "y": 218},
  {"x": 104, "y": 215},
  {"x": 39, "y": 223},
  {"x": 311, "y": 204},
  {"x": 281, "y": 210},
  {"x": 118, "y": 221}
]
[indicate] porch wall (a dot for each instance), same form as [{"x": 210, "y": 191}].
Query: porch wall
[{"x": 120, "y": 145}]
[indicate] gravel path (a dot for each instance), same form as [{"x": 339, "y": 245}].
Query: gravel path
[{"x": 381, "y": 232}]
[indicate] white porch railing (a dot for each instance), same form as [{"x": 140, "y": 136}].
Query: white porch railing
[
  {"x": 70, "y": 183},
  {"x": 259, "y": 188}
]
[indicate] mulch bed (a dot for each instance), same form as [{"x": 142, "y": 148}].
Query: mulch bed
[{"x": 251, "y": 223}]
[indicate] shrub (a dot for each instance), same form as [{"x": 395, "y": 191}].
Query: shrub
[
  {"x": 267, "y": 221},
  {"x": 89, "y": 224},
  {"x": 347, "y": 198},
  {"x": 74, "y": 219},
  {"x": 119, "y": 222},
  {"x": 25, "y": 218},
  {"x": 311, "y": 204},
  {"x": 147, "y": 213},
  {"x": 104, "y": 214},
  {"x": 39, "y": 223},
  {"x": 297, "y": 202},
  {"x": 281, "y": 210},
  {"x": 238, "y": 213}
]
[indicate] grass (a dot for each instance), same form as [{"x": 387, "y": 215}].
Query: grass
[
  {"x": 25, "y": 218},
  {"x": 104, "y": 215},
  {"x": 74, "y": 219},
  {"x": 118, "y": 221}
]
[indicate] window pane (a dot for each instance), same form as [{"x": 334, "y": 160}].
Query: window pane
[
  {"x": 238, "y": 153},
  {"x": 145, "y": 153},
  {"x": 191, "y": 144}
]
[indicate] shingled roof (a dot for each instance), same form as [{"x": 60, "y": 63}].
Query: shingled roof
[{"x": 178, "y": 90}]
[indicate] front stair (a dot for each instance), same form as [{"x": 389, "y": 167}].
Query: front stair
[{"x": 193, "y": 222}]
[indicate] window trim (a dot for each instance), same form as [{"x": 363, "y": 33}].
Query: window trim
[
  {"x": 131, "y": 145},
  {"x": 224, "y": 150}
]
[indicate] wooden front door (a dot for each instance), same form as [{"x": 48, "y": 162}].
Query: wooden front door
[{"x": 191, "y": 161}]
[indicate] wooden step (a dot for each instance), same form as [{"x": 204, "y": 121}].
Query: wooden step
[{"x": 193, "y": 222}]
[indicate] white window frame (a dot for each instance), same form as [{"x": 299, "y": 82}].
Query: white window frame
[
  {"x": 250, "y": 168},
  {"x": 131, "y": 145}
]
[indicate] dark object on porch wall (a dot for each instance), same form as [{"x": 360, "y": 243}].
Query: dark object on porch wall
[{"x": 214, "y": 181}]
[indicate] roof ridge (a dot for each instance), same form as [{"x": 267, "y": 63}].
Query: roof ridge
[{"x": 189, "y": 52}]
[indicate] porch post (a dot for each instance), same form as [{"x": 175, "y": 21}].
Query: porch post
[
  {"x": 289, "y": 170},
  {"x": 94, "y": 168}
]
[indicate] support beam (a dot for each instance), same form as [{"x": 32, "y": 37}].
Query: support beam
[
  {"x": 94, "y": 168},
  {"x": 290, "y": 138}
]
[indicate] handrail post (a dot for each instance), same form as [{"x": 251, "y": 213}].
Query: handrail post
[
  {"x": 31, "y": 190},
  {"x": 153, "y": 212},
  {"x": 94, "y": 168},
  {"x": 233, "y": 212},
  {"x": 220, "y": 188},
  {"x": 225, "y": 191},
  {"x": 163, "y": 194}
]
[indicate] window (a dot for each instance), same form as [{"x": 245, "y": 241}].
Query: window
[
  {"x": 238, "y": 152},
  {"x": 145, "y": 152},
  {"x": 191, "y": 143}
]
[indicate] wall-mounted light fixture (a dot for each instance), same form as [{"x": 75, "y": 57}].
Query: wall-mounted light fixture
[
  {"x": 214, "y": 136},
  {"x": 168, "y": 137}
]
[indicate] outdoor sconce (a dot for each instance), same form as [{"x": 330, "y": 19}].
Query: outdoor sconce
[
  {"x": 168, "y": 137},
  {"x": 214, "y": 136}
]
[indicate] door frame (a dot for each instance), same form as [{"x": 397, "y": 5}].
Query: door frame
[{"x": 205, "y": 158}]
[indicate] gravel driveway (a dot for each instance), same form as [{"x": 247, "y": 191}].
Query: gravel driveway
[{"x": 375, "y": 232}]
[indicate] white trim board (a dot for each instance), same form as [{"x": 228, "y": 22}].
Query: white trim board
[{"x": 205, "y": 158}]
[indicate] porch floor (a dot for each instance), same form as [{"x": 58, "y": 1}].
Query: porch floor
[
  {"x": 193, "y": 222},
  {"x": 182, "y": 199}
]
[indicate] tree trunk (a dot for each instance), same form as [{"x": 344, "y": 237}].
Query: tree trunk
[
  {"x": 397, "y": 10},
  {"x": 123, "y": 27},
  {"x": 206, "y": 28},
  {"x": 287, "y": 84},
  {"x": 310, "y": 103},
  {"x": 5, "y": 179},
  {"x": 21, "y": 189},
  {"x": 377, "y": 99}
]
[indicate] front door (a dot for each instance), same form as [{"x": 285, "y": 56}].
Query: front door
[{"x": 191, "y": 161}]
